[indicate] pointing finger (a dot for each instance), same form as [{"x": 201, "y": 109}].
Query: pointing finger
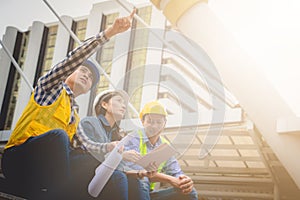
[{"x": 132, "y": 14}]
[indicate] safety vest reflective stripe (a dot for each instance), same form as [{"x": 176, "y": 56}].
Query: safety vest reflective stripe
[{"x": 143, "y": 151}]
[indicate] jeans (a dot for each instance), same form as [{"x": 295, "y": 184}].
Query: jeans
[
  {"x": 119, "y": 186},
  {"x": 136, "y": 189},
  {"x": 173, "y": 193},
  {"x": 83, "y": 166},
  {"x": 168, "y": 193}
]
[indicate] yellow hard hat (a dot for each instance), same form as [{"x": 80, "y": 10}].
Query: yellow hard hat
[{"x": 153, "y": 107}]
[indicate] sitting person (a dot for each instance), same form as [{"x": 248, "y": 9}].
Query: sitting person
[
  {"x": 37, "y": 159},
  {"x": 153, "y": 117},
  {"x": 100, "y": 134}
]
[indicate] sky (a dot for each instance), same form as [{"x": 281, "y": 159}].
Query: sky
[
  {"x": 21, "y": 13},
  {"x": 269, "y": 30}
]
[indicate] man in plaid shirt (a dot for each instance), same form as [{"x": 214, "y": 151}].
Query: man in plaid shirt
[{"x": 38, "y": 154}]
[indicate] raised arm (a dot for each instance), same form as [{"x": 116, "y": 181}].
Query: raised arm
[
  {"x": 74, "y": 59},
  {"x": 120, "y": 25}
]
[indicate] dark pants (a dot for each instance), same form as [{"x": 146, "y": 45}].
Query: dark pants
[
  {"x": 83, "y": 167},
  {"x": 174, "y": 194},
  {"x": 44, "y": 167},
  {"x": 119, "y": 186},
  {"x": 167, "y": 193},
  {"x": 39, "y": 164}
]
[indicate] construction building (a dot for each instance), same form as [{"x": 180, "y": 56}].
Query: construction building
[{"x": 222, "y": 150}]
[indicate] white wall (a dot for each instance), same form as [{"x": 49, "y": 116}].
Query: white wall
[
  {"x": 29, "y": 69},
  {"x": 9, "y": 40}
]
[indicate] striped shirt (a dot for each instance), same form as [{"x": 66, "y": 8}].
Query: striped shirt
[{"x": 50, "y": 86}]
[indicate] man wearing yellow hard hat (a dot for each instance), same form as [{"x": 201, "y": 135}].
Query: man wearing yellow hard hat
[
  {"x": 98, "y": 136},
  {"x": 154, "y": 118}
]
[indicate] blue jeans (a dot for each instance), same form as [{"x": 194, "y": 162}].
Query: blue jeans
[
  {"x": 119, "y": 186},
  {"x": 173, "y": 193},
  {"x": 168, "y": 193},
  {"x": 83, "y": 166},
  {"x": 136, "y": 189}
]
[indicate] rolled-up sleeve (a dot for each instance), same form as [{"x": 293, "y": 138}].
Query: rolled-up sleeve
[
  {"x": 133, "y": 144},
  {"x": 74, "y": 59},
  {"x": 172, "y": 167},
  {"x": 85, "y": 127}
]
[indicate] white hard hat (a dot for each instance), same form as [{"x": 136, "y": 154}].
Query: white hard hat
[{"x": 102, "y": 95}]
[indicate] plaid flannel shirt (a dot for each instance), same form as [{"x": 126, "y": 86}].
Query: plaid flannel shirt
[{"x": 50, "y": 86}]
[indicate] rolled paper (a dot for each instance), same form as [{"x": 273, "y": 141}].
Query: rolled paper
[{"x": 104, "y": 171}]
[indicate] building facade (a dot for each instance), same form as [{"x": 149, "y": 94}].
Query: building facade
[
  {"x": 156, "y": 63},
  {"x": 149, "y": 63}
]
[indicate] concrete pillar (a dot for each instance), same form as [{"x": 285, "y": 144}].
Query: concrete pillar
[
  {"x": 9, "y": 40},
  {"x": 154, "y": 57},
  {"x": 120, "y": 55},
  {"x": 240, "y": 73},
  {"x": 62, "y": 40},
  {"x": 93, "y": 27},
  {"x": 30, "y": 65}
]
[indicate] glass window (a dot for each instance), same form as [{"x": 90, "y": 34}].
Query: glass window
[
  {"x": 49, "y": 49},
  {"x": 105, "y": 55},
  {"x": 137, "y": 58},
  {"x": 79, "y": 28},
  {"x": 16, "y": 82}
]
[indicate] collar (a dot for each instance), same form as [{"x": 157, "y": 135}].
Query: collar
[
  {"x": 103, "y": 120},
  {"x": 71, "y": 94},
  {"x": 105, "y": 124},
  {"x": 68, "y": 89},
  {"x": 147, "y": 141}
]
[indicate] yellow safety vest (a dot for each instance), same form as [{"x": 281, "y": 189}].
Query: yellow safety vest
[
  {"x": 143, "y": 151},
  {"x": 36, "y": 120}
]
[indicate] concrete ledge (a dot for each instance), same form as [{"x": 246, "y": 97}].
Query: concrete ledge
[
  {"x": 288, "y": 125},
  {"x": 4, "y": 135}
]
